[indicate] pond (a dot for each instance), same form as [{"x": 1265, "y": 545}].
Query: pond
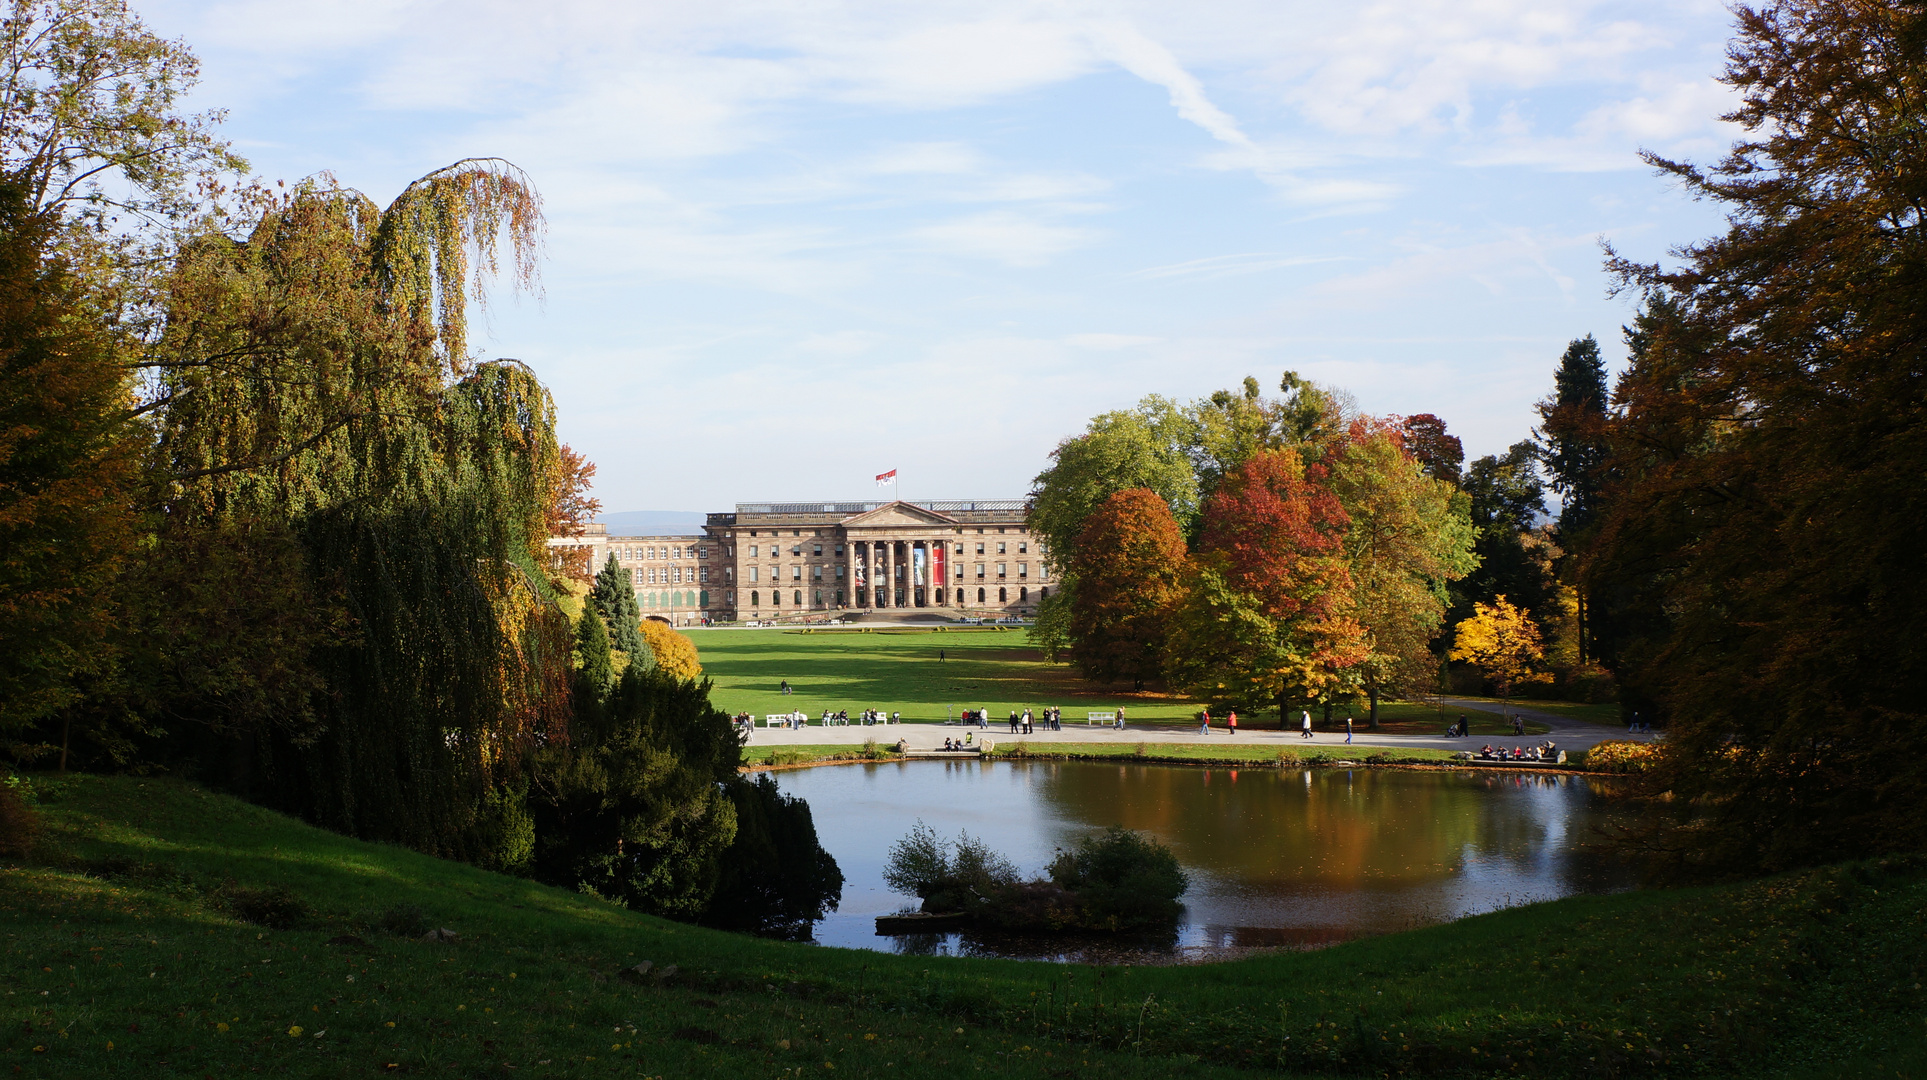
[{"x": 1275, "y": 857}]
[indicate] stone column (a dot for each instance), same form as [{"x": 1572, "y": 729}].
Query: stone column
[
  {"x": 886, "y": 585},
  {"x": 849, "y": 572}
]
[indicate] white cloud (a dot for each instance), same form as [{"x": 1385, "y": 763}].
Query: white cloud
[{"x": 1006, "y": 237}]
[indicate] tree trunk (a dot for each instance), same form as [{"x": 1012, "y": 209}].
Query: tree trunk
[
  {"x": 1373, "y": 695},
  {"x": 65, "y": 727}
]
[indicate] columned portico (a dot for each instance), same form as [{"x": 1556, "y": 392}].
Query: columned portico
[{"x": 871, "y": 557}]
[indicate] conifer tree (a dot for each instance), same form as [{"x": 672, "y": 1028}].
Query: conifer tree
[
  {"x": 1571, "y": 440},
  {"x": 614, "y": 598}
]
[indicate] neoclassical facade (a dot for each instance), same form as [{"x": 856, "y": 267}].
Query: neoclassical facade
[{"x": 783, "y": 560}]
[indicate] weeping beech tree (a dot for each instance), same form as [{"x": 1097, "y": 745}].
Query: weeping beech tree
[{"x": 318, "y": 401}]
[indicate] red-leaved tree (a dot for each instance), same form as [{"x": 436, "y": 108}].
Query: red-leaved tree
[{"x": 1268, "y": 607}]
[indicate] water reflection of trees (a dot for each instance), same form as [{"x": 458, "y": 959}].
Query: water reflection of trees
[{"x": 1349, "y": 829}]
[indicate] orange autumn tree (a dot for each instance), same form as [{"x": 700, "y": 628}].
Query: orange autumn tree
[
  {"x": 1268, "y": 608},
  {"x": 1129, "y": 563}
]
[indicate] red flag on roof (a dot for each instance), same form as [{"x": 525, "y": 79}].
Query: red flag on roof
[{"x": 886, "y": 479}]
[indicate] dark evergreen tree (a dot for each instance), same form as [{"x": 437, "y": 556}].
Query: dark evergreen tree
[
  {"x": 776, "y": 878},
  {"x": 634, "y": 807},
  {"x": 1508, "y": 499},
  {"x": 614, "y": 598},
  {"x": 1572, "y": 437},
  {"x": 595, "y": 671},
  {"x": 1762, "y": 542}
]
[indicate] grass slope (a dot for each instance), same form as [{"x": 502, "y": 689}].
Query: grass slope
[
  {"x": 982, "y": 668},
  {"x": 119, "y": 962}
]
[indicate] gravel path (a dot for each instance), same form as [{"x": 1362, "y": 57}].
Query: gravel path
[{"x": 1568, "y": 733}]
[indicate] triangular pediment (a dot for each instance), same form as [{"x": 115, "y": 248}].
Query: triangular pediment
[{"x": 898, "y": 513}]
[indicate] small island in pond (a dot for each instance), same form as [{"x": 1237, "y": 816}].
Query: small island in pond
[{"x": 1117, "y": 881}]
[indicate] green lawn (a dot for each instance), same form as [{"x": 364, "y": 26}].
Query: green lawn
[
  {"x": 124, "y": 959},
  {"x": 981, "y": 668}
]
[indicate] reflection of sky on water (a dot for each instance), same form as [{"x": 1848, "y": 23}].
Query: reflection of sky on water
[{"x": 1275, "y": 857}]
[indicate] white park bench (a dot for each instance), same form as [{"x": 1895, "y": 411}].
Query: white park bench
[{"x": 1104, "y": 718}]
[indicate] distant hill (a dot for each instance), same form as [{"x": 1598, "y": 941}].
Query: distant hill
[{"x": 655, "y": 522}]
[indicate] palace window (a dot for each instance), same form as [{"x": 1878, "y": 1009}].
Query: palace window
[
  {"x": 1000, "y": 570},
  {"x": 1023, "y": 569},
  {"x": 839, "y": 551},
  {"x": 1022, "y": 548},
  {"x": 1043, "y": 594},
  {"x": 819, "y": 598},
  {"x": 798, "y": 598},
  {"x": 796, "y": 549},
  {"x": 704, "y": 576},
  {"x": 960, "y": 549},
  {"x": 755, "y": 598},
  {"x": 638, "y": 576},
  {"x": 939, "y": 597},
  {"x": 980, "y": 569},
  {"x": 729, "y": 573},
  {"x": 752, "y": 573},
  {"x": 959, "y": 571},
  {"x": 703, "y": 552},
  {"x": 980, "y": 596},
  {"x": 816, "y": 550},
  {"x": 816, "y": 572},
  {"x": 796, "y": 572},
  {"x": 1023, "y": 595},
  {"x": 1002, "y": 596},
  {"x": 752, "y": 551},
  {"x": 839, "y": 569},
  {"x": 1000, "y": 546},
  {"x": 980, "y": 547},
  {"x": 776, "y": 598}
]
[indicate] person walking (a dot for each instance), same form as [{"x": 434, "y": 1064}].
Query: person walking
[
  {"x": 1231, "y": 722},
  {"x": 1348, "y": 731},
  {"x": 1120, "y": 718},
  {"x": 1304, "y": 727},
  {"x": 1204, "y": 721},
  {"x": 939, "y": 656}
]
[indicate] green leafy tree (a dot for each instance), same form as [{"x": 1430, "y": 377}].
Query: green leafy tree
[
  {"x": 1129, "y": 562},
  {"x": 1138, "y": 448},
  {"x": 614, "y": 598},
  {"x": 1409, "y": 535},
  {"x": 1760, "y": 540},
  {"x": 69, "y": 472},
  {"x": 315, "y": 386}
]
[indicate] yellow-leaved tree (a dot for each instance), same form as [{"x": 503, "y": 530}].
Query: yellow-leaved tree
[
  {"x": 1502, "y": 642},
  {"x": 675, "y": 653}
]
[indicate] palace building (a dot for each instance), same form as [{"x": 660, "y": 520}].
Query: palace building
[{"x": 783, "y": 560}]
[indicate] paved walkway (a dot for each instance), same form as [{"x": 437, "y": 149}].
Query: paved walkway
[{"x": 1568, "y": 733}]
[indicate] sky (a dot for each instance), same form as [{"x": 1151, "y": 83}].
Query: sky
[{"x": 793, "y": 245}]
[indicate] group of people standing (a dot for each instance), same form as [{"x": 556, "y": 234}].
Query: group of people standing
[{"x": 1024, "y": 723}]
